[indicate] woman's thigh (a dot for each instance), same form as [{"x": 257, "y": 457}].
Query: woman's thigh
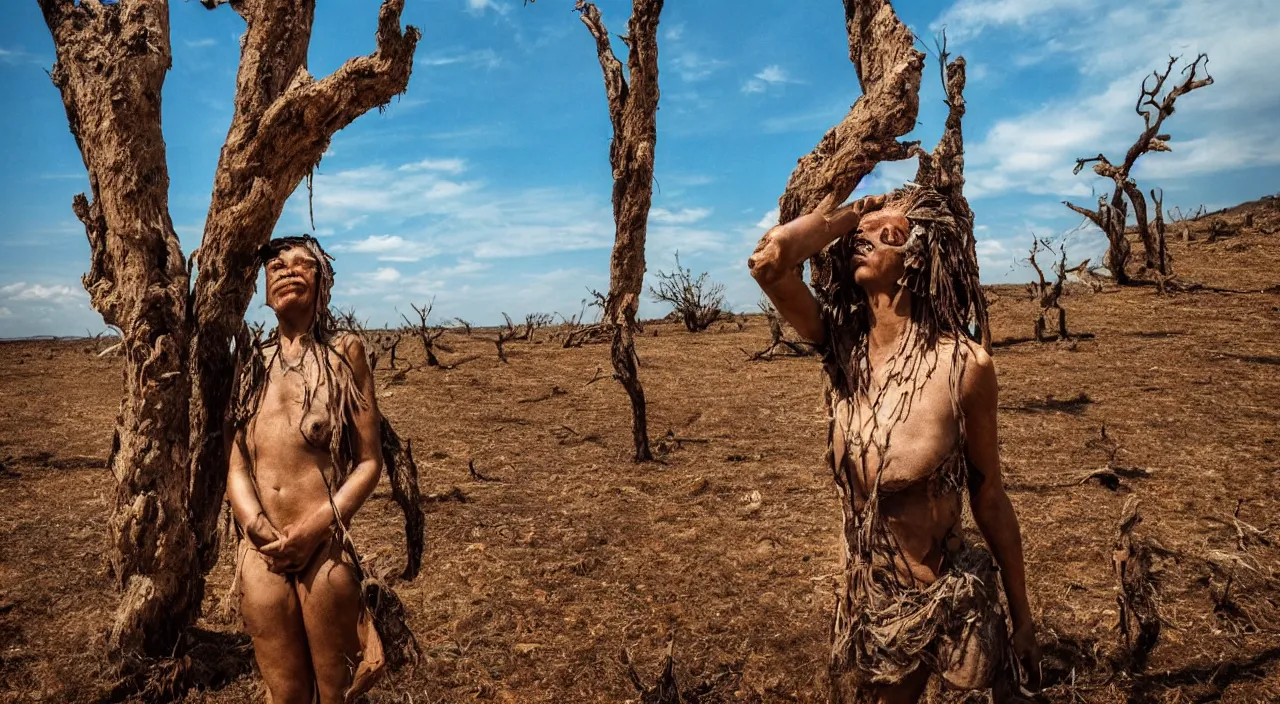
[
  {"x": 331, "y": 608},
  {"x": 273, "y": 617}
]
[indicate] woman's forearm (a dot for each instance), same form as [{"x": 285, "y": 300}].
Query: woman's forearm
[
  {"x": 999, "y": 525},
  {"x": 349, "y": 498}
]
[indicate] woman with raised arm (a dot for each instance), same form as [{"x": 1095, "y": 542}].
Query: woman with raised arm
[
  {"x": 305, "y": 456},
  {"x": 912, "y": 410}
]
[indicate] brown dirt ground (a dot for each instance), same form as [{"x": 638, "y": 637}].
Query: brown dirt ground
[{"x": 534, "y": 584}]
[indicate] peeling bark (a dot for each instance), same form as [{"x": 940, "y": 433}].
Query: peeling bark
[
  {"x": 889, "y": 71},
  {"x": 633, "y": 106},
  {"x": 137, "y": 280},
  {"x": 169, "y": 451}
]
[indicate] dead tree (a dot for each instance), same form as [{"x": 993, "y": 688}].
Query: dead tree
[
  {"x": 1184, "y": 220},
  {"x": 1050, "y": 294},
  {"x": 778, "y": 343},
  {"x": 533, "y": 322},
  {"x": 633, "y": 107},
  {"x": 1137, "y": 594},
  {"x": 465, "y": 325},
  {"x": 169, "y": 453},
  {"x": 1111, "y": 216},
  {"x": 388, "y": 342},
  {"x": 428, "y": 335},
  {"x": 697, "y": 302},
  {"x": 505, "y": 335},
  {"x": 579, "y": 333}
]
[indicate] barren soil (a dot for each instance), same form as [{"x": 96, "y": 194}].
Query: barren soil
[{"x": 535, "y": 582}]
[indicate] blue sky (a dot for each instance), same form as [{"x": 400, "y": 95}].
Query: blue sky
[{"x": 487, "y": 184}]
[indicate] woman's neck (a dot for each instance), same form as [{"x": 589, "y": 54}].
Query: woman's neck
[
  {"x": 292, "y": 328},
  {"x": 889, "y": 318}
]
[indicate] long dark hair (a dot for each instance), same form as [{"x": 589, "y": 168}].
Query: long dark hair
[{"x": 941, "y": 274}]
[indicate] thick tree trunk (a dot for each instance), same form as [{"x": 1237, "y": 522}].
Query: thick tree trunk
[
  {"x": 889, "y": 71},
  {"x": 633, "y": 110},
  {"x": 169, "y": 452},
  {"x": 283, "y": 122},
  {"x": 111, "y": 65},
  {"x": 1119, "y": 251}
]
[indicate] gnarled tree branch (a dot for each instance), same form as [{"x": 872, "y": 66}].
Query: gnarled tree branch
[
  {"x": 283, "y": 123},
  {"x": 889, "y": 70}
]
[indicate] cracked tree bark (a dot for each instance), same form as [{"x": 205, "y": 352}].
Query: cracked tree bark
[
  {"x": 889, "y": 71},
  {"x": 169, "y": 450},
  {"x": 633, "y": 106}
]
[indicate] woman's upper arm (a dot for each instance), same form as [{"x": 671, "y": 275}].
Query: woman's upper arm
[
  {"x": 979, "y": 401},
  {"x": 368, "y": 422}
]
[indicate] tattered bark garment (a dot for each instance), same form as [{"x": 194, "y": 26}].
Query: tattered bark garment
[{"x": 887, "y": 624}]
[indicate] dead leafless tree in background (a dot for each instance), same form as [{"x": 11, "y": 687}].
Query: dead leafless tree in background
[
  {"x": 465, "y": 325},
  {"x": 1185, "y": 220},
  {"x": 1111, "y": 216},
  {"x": 1049, "y": 293},
  {"x": 533, "y": 322},
  {"x": 578, "y": 332},
  {"x": 169, "y": 453},
  {"x": 778, "y": 344},
  {"x": 389, "y": 342},
  {"x": 697, "y": 302},
  {"x": 427, "y": 334},
  {"x": 633, "y": 107}
]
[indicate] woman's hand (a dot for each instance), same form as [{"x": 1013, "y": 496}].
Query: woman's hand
[
  {"x": 260, "y": 531},
  {"x": 293, "y": 549},
  {"x": 1027, "y": 651}
]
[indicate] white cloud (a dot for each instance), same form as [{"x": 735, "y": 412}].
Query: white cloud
[
  {"x": 674, "y": 33},
  {"x": 200, "y": 43},
  {"x": 769, "y": 220},
  {"x": 5, "y": 312},
  {"x": 968, "y": 18},
  {"x": 389, "y": 248},
  {"x": 40, "y": 293},
  {"x": 693, "y": 67},
  {"x": 386, "y": 275},
  {"x": 449, "y": 166},
  {"x": 486, "y": 58},
  {"x": 478, "y": 7},
  {"x": 685, "y": 216},
  {"x": 768, "y": 77},
  {"x": 1225, "y": 126},
  {"x": 818, "y": 120},
  {"x": 690, "y": 180},
  {"x": 15, "y": 57},
  {"x": 431, "y": 213}
]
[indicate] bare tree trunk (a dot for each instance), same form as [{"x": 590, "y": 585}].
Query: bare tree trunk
[
  {"x": 283, "y": 122},
  {"x": 1157, "y": 224},
  {"x": 633, "y": 107},
  {"x": 111, "y": 65},
  {"x": 889, "y": 71},
  {"x": 169, "y": 452},
  {"x": 1149, "y": 248},
  {"x": 943, "y": 170}
]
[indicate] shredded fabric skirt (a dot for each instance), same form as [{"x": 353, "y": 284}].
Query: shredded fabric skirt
[{"x": 954, "y": 627}]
